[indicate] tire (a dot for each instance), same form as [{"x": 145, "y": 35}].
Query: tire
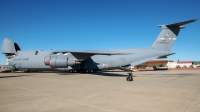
[
  {"x": 86, "y": 71},
  {"x": 127, "y": 78},
  {"x": 91, "y": 71},
  {"x": 75, "y": 71},
  {"x": 131, "y": 79},
  {"x": 70, "y": 71}
]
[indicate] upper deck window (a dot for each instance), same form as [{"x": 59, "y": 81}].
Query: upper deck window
[{"x": 36, "y": 52}]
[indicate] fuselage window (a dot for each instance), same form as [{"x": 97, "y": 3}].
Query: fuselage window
[{"x": 36, "y": 53}]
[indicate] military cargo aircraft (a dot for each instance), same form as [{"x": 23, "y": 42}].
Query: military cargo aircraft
[{"x": 91, "y": 60}]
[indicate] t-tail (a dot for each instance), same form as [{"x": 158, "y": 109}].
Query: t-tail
[{"x": 168, "y": 35}]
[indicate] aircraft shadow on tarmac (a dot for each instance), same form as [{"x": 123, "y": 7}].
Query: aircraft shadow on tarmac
[
  {"x": 12, "y": 76},
  {"x": 97, "y": 73}
]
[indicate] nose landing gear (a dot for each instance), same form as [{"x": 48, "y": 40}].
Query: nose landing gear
[{"x": 129, "y": 77}]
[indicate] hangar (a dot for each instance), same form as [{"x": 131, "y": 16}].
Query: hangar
[
  {"x": 168, "y": 64},
  {"x": 154, "y": 63}
]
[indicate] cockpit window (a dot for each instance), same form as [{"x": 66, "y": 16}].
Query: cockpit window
[{"x": 36, "y": 52}]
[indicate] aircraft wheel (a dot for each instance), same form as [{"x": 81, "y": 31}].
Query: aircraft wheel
[
  {"x": 87, "y": 71},
  {"x": 129, "y": 77},
  {"x": 91, "y": 71},
  {"x": 74, "y": 71},
  {"x": 71, "y": 71}
]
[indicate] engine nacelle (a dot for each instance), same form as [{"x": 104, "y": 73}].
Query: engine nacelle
[
  {"x": 46, "y": 60},
  {"x": 60, "y": 61}
]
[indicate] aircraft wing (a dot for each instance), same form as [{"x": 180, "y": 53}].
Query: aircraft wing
[
  {"x": 147, "y": 59},
  {"x": 141, "y": 61},
  {"x": 84, "y": 54},
  {"x": 165, "y": 56},
  {"x": 127, "y": 67}
]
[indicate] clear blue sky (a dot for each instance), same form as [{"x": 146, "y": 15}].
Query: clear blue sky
[{"x": 98, "y": 24}]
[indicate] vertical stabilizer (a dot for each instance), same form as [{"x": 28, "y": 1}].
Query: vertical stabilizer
[{"x": 168, "y": 35}]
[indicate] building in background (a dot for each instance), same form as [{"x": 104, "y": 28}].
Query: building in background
[
  {"x": 196, "y": 64},
  {"x": 184, "y": 64},
  {"x": 169, "y": 64},
  {"x": 155, "y": 63}
]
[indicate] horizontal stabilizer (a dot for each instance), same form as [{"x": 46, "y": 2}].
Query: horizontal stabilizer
[{"x": 179, "y": 23}]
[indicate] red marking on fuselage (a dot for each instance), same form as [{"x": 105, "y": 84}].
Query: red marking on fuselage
[
  {"x": 50, "y": 62},
  {"x": 44, "y": 60}
]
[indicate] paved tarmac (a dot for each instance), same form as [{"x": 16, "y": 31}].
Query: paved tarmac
[{"x": 151, "y": 91}]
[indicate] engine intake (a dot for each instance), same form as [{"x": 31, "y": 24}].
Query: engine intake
[{"x": 46, "y": 60}]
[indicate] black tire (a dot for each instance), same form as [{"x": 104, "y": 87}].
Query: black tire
[
  {"x": 70, "y": 71},
  {"x": 86, "y": 71},
  {"x": 127, "y": 79},
  {"x": 91, "y": 71},
  {"x": 75, "y": 71},
  {"x": 131, "y": 78}
]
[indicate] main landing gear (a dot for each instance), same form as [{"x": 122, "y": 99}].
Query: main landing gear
[
  {"x": 129, "y": 77},
  {"x": 89, "y": 71},
  {"x": 86, "y": 71},
  {"x": 73, "y": 71}
]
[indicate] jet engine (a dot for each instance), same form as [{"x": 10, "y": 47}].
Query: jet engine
[
  {"x": 60, "y": 61},
  {"x": 46, "y": 60}
]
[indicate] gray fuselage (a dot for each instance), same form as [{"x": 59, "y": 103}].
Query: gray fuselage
[{"x": 34, "y": 60}]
